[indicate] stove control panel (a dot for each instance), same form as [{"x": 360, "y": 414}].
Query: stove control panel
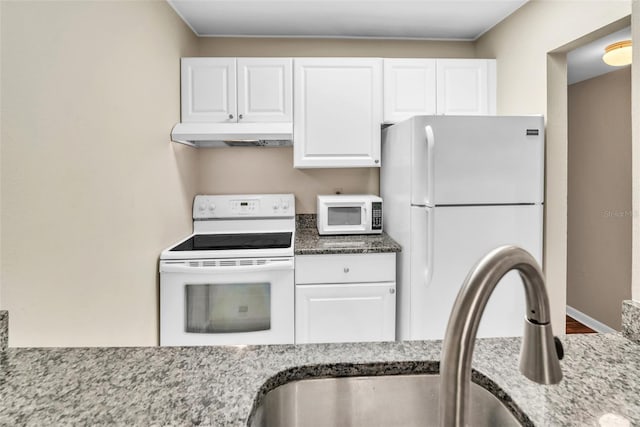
[{"x": 242, "y": 206}]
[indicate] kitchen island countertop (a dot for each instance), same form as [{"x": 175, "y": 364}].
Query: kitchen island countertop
[{"x": 219, "y": 386}]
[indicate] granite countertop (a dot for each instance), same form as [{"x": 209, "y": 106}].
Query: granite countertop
[
  {"x": 221, "y": 386},
  {"x": 309, "y": 242}
]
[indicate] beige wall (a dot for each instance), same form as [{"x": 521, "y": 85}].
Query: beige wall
[
  {"x": 92, "y": 188},
  {"x": 521, "y": 44},
  {"x": 635, "y": 136},
  {"x": 1, "y": 109},
  {"x": 257, "y": 47},
  {"x": 247, "y": 170},
  {"x": 599, "y": 196},
  {"x": 89, "y": 93},
  {"x": 270, "y": 170}
]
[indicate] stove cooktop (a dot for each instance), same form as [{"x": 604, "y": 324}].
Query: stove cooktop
[{"x": 222, "y": 242}]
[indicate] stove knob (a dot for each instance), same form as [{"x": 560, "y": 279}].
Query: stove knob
[
  {"x": 275, "y": 207},
  {"x": 285, "y": 205},
  {"x": 201, "y": 207},
  {"x": 212, "y": 207}
]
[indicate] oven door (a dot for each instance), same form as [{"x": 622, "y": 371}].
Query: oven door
[{"x": 227, "y": 302}]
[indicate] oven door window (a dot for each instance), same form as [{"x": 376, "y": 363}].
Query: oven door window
[
  {"x": 228, "y": 307},
  {"x": 344, "y": 215}
]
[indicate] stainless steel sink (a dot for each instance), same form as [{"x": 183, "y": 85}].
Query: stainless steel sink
[{"x": 385, "y": 401}]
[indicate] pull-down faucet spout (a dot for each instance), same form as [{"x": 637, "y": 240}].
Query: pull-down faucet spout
[{"x": 539, "y": 354}]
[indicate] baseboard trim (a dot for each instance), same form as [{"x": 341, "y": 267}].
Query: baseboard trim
[{"x": 589, "y": 321}]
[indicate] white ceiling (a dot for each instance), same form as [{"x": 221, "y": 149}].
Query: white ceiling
[
  {"x": 412, "y": 19},
  {"x": 586, "y": 62}
]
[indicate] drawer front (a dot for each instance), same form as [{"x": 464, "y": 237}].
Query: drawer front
[{"x": 345, "y": 268}]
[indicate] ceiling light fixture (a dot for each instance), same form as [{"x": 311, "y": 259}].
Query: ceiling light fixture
[{"x": 618, "y": 54}]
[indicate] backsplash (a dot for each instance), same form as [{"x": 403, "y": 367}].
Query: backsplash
[
  {"x": 631, "y": 320},
  {"x": 305, "y": 221}
]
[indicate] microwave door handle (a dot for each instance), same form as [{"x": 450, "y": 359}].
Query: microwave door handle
[{"x": 182, "y": 268}]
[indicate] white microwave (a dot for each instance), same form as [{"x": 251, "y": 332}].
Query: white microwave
[{"x": 349, "y": 214}]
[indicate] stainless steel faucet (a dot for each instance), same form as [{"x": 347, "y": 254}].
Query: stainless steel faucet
[{"x": 540, "y": 352}]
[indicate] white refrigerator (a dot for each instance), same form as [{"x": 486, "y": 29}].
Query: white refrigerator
[{"x": 454, "y": 188}]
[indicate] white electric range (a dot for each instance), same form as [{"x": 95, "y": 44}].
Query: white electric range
[{"x": 231, "y": 282}]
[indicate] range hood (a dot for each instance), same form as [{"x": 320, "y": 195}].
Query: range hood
[{"x": 233, "y": 134}]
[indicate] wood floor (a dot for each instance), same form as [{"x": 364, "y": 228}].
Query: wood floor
[{"x": 575, "y": 327}]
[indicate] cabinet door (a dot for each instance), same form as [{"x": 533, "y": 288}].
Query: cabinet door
[
  {"x": 337, "y": 112},
  {"x": 409, "y": 88},
  {"x": 264, "y": 90},
  {"x": 466, "y": 86},
  {"x": 345, "y": 312},
  {"x": 208, "y": 90}
]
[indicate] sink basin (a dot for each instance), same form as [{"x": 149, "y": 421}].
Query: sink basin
[{"x": 398, "y": 400}]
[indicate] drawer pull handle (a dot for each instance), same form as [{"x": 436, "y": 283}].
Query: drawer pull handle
[
  {"x": 392, "y": 291},
  {"x": 346, "y": 269}
]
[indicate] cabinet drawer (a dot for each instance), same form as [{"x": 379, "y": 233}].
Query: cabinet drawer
[{"x": 351, "y": 268}]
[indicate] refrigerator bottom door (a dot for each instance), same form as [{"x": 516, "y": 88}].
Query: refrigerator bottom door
[{"x": 461, "y": 236}]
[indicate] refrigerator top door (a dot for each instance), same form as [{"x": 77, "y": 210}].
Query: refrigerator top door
[
  {"x": 422, "y": 163},
  {"x": 406, "y": 152},
  {"x": 478, "y": 159}
]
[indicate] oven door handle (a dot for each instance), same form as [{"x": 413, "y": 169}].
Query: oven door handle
[{"x": 182, "y": 268}]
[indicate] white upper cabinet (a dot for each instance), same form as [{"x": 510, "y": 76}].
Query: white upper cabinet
[
  {"x": 466, "y": 86},
  {"x": 265, "y": 90},
  {"x": 208, "y": 90},
  {"x": 226, "y": 90},
  {"x": 337, "y": 112},
  {"x": 409, "y": 88},
  {"x": 414, "y": 86}
]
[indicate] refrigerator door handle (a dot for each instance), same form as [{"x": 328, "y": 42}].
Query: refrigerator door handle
[
  {"x": 428, "y": 271},
  {"x": 429, "y": 164}
]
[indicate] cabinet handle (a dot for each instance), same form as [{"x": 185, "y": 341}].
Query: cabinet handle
[
  {"x": 231, "y": 116},
  {"x": 240, "y": 116},
  {"x": 392, "y": 291},
  {"x": 376, "y": 161},
  {"x": 346, "y": 269}
]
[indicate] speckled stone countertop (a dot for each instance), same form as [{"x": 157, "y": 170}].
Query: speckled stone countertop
[
  {"x": 309, "y": 242},
  {"x": 221, "y": 386},
  {"x": 4, "y": 329},
  {"x": 631, "y": 320}
]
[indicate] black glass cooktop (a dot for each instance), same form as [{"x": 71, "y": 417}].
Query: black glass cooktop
[{"x": 221, "y": 242}]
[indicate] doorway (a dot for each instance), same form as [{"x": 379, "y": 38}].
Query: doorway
[{"x": 599, "y": 206}]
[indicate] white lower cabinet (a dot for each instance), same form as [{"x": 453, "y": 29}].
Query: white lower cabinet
[{"x": 345, "y": 298}]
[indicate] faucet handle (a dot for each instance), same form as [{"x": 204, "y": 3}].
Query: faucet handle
[{"x": 559, "y": 348}]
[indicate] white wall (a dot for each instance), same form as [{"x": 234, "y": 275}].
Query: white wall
[
  {"x": 92, "y": 187},
  {"x": 521, "y": 44}
]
